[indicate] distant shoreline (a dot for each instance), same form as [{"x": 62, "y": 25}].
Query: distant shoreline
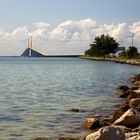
[
  {"x": 116, "y": 60},
  {"x": 72, "y": 56}
]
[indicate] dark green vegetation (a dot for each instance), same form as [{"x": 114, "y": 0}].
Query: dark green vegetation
[
  {"x": 131, "y": 52},
  {"x": 102, "y": 46},
  {"x": 105, "y": 45}
]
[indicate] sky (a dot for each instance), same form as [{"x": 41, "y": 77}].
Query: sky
[{"x": 66, "y": 26}]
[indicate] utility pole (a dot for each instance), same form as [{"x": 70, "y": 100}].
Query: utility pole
[
  {"x": 121, "y": 43},
  {"x": 132, "y": 39}
]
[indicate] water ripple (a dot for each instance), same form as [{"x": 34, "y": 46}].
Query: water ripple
[{"x": 35, "y": 94}]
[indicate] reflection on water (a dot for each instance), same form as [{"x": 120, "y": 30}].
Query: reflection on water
[{"x": 35, "y": 94}]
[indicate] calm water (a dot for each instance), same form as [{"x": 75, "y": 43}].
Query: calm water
[{"x": 35, "y": 94}]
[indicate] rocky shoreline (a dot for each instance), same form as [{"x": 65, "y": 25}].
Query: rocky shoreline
[{"x": 124, "y": 123}]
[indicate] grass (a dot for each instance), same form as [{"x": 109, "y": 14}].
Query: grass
[{"x": 118, "y": 59}]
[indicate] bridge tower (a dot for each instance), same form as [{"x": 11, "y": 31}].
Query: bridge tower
[{"x": 30, "y": 46}]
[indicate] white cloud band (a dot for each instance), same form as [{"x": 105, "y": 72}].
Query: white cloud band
[{"x": 69, "y": 37}]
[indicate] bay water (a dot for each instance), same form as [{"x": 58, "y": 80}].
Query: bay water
[{"x": 37, "y": 93}]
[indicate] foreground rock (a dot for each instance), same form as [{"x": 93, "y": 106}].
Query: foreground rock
[
  {"x": 123, "y": 128},
  {"x": 137, "y": 91},
  {"x": 123, "y": 91},
  {"x": 135, "y": 103},
  {"x": 91, "y": 123},
  {"x": 130, "y": 118},
  {"x": 137, "y": 83},
  {"x": 134, "y": 94},
  {"x": 107, "y": 133},
  {"x": 123, "y": 88},
  {"x": 124, "y": 94},
  {"x": 119, "y": 112},
  {"x": 136, "y": 77},
  {"x": 132, "y": 136}
]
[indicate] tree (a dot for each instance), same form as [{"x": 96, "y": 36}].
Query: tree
[
  {"x": 103, "y": 45},
  {"x": 132, "y": 52},
  {"x": 123, "y": 54}
]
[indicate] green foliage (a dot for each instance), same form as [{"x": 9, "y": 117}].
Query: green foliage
[
  {"x": 132, "y": 52},
  {"x": 138, "y": 56},
  {"x": 103, "y": 45},
  {"x": 123, "y": 54}
]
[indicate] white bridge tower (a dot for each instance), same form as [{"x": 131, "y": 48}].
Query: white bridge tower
[{"x": 30, "y": 44}]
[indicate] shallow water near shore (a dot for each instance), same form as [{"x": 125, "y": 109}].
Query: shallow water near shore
[{"x": 36, "y": 94}]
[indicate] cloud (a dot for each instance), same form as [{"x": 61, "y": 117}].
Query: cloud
[
  {"x": 1, "y": 32},
  {"x": 73, "y": 30},
  {"x": 42, "y": 25},
  {"x": 135, "y": 28},
  {"x": 69, "y": 37},
  {"x": 41, "y": 30},
  {"x": 19, "y": 33}
]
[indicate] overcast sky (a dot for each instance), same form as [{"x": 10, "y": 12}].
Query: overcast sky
[{"x": 66, "y": 26}]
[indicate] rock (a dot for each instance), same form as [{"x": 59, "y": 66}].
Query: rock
[
  {"x": 67, "y": 138},
  {"x": 124, "y": 94},
  {"x": 123, "y": 128},
  {"x": 137, "y": 91},
  {"x": 134, "y": 94},
  {"x": 137, "y": 77},
  {"x": 135, "y": 88},
  {"x": 91, "y": 123},
  {"x": 96, "y": 115},
  {"x": 130, "y": 118},
  {"x": 135, "y": 103},
  {"x": 132, "y": 136},
  {"x": 137, "y": 83},
  {"x": 123, "y": 88},
  {"x": 107, "y": 133},
  {"x": 135, "y": 129},
  {"x": 106, "y": 122},
  {"x": 41, "y": 138},
  {"x": 123, "y": 91},
  {"x": 119, "y": 112},
  {"x": 74, "y": 110}
]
